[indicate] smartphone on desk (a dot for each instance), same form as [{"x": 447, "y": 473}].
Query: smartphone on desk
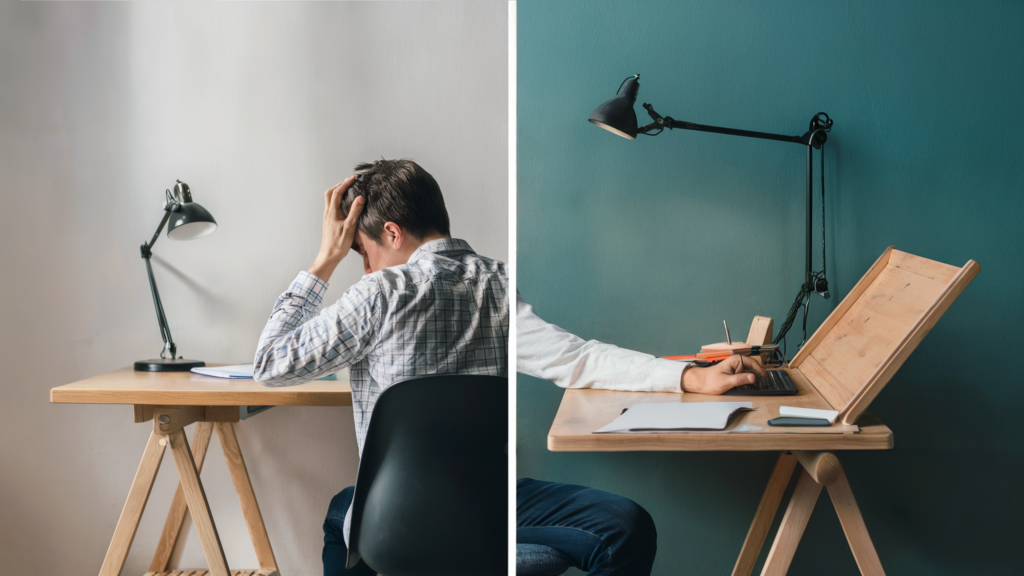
[{"x": 798, "y": 422}]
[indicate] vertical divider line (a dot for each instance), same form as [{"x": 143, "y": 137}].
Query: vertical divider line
[{"x": 511, "y": 270}]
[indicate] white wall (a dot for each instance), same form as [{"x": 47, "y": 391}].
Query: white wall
[{"x": 259, "y": 108}]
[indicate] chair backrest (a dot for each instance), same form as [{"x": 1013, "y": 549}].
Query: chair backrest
[{"x": 431, "y": 491}]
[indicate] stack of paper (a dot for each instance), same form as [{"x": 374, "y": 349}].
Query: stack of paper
[
  {"x": 231, "y": 372},
  {"x": 239, "y": 371},
  {"x": 675, "y": 417}
]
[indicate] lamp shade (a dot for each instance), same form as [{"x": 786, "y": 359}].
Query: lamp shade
[
  {"x": 617, "y": 115},
  {"x": 190, "y": 221}
]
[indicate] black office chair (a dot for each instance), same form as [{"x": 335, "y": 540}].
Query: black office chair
[{"x": 431, "y": 495}]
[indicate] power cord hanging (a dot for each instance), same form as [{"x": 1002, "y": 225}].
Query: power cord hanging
[{"x": 817, "y": 283}]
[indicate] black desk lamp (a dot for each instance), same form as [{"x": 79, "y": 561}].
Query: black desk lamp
[
  {"x": 617, "y": 116},
  {"x": 188, "y": 221}
]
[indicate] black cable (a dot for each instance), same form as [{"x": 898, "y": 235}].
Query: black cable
[
  {"x": 807, "y": 306},
  {"x": 803, "y": 298},
  {"x": 824, "y": 262}
]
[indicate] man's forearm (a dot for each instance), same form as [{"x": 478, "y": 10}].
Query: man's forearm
[
  {"x": 273, "y": 365},
  {"x": 549, "y": 352},
  {"x": 323, "y": 269},
  {"x": 298, "y": 345}
]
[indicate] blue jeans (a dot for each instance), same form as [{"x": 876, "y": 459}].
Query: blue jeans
[
  {"x": 602, "y": 533},
  {"x": 335, "y": 550},
  {"x": 598, "y": 532}
]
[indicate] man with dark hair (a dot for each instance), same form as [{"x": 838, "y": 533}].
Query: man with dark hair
[
  {"x": 428, "y": 304},
  {"x": 399, "y": 191}
]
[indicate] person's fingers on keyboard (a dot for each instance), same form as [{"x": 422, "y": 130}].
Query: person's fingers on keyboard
[
  {"x": 726, "y": 382},
  {"x": 722, "y": 377},
  {"x": 741, "y": 364},
  {"x": 754, "y": 365}
]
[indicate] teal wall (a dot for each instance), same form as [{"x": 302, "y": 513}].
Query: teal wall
[{"x": 650, "y": 244}]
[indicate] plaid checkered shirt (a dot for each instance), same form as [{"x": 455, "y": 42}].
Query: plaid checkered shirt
[{"x": 446, "y": 311}]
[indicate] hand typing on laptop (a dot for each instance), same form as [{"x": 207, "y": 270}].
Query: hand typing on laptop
[{"x": 734, "y": 371}]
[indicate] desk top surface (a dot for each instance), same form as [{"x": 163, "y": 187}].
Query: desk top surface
[
  {"x": 583, "y": 411},
  {"x": 126, "y": 386}
]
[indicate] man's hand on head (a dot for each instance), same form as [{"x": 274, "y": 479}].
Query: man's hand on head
[
  {"x": 338, "y": 231},
  {"x": 734, "y": 371}
]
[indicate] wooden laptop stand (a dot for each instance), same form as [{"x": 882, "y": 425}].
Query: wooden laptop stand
[{"x": 848, "y": 360}]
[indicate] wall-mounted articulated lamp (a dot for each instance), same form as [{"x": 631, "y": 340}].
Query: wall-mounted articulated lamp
[
  {"x": 188, "y": 221},
  {"x": 617, "y": 116}
]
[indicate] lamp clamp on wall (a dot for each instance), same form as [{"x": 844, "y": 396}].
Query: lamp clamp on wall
[
  {"x": 618, "y": 117},
  {"x": 190, "y": 221}
]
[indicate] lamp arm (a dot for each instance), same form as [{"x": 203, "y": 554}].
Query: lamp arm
[
  {"x": 812, "y": 137},
  {"x": 161, "y": 317},
  {"x": 159, "y": 229},
  {"x": 815, "y": 137}
]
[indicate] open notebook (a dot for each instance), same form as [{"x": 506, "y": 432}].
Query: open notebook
[{"x": 677, "y": 417}]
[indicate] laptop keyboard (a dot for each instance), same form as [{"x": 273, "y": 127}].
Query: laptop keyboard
[{"x": 778, "y": 383}]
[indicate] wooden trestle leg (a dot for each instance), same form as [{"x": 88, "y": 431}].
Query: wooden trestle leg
[
  {"x": 792, "y": 528},
  {"x": 766, "y": 510},
  {"x": 246, "y": 496},
  {"x": 819, "y": 469},
  {"x": 853, "y": 525},
  {"x": 198, "y": 506},
  {"x": 168, "y": 429},
  {"x": 176, "y": 515},
  {"x": 128, "y": 523}
]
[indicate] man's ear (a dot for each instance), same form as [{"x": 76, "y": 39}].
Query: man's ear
[{"x": 392, "y": 235}]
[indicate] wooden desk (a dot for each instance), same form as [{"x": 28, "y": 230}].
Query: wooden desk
[
  {"x": 583, "y": 411},
  {"x": 842, "y": 367},
  {"x": 173, "y": 400}
]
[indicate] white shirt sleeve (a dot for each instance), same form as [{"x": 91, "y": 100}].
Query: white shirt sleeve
[{"x": 546, "y": 351}]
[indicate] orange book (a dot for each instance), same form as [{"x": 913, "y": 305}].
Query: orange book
[{"x": 710, "y": 357}]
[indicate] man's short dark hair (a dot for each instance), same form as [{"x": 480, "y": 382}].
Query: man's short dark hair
[{"x": 398, "y": 191}]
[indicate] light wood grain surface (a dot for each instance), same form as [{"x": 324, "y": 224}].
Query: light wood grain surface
[
  {"x": 131, "y": 514},
  {"x": 179, "y": 508},
  {"x": 204, "y": 572},
  {"x": 126, "y": 386},
  {"x": 866, "y": 339},
  {"x": 801, "y": 504},
  {"x": 853, "y": 525},
  {"x": 246, "y": 496},
  {"x": 765, "y": 514},
  {"x": 584, "y": 411},
  {"x": 198, "y": 505}
]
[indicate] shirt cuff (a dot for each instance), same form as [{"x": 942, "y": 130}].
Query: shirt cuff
[
  {"x": 667, "y": 375},
  {"x": 310, "y": 287}
]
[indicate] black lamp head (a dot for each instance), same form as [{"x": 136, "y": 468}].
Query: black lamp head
[
  {"x": 617, "y": 115},
  {"x": 188, "y": 219}
]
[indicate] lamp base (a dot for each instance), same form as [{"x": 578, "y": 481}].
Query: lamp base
[{"x": 168, "y": 365}]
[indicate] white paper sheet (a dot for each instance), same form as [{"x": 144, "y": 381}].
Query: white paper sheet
[
  {"x": 235, "y": 371},
  {"x": 675, "y": 416},
  {"x": 240, "y": 371},
  {"x": 795, "y": 412}
]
